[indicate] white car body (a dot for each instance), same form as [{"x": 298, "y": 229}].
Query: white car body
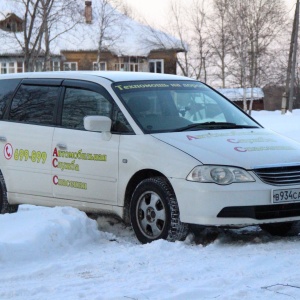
[{"x": 93, "y": 171}]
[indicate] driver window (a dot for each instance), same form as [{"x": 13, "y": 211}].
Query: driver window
[{"x": 79, "y": 103}]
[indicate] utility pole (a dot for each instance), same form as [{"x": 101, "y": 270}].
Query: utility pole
[{"x": 290, "y": 78}]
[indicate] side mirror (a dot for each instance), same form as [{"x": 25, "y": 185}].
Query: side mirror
[{"x": 98, "y": 124}]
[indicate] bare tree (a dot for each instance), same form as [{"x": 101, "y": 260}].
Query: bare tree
[
  {"x": 220, "y": 39},
  {"x": 254, "y": 26},
  {"x": 31, "y": 41},
  {"x": 180, "y": 29},
  {"x": 188, "y": 24},
  {"x": 198, "y": 19},
  {"x": 110, "y": 25},
  {"x": 57, "y": 18},
  {"x": 43, "y": 22},
  {"x": 237, "y": 13}
]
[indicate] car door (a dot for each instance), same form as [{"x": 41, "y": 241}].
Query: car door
[
  {"x": 26, "y": 136},
  {"x": 84, "y": 164}
]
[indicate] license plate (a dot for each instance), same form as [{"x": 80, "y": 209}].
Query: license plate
[{"x": 289, "y": 195}]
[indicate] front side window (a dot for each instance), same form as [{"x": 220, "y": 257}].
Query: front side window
[
  {"x": 166, "y": 106},
  {"x": 34, "y": 104},
  {"x": 79, "y": 103}
]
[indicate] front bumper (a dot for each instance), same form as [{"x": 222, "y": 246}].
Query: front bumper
[
  {"x": 261, "y": 212},
  {"x": 237, "y": 204}
]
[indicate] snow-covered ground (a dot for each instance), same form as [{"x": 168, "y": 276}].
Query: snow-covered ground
[{"x": 60, "y": 254}]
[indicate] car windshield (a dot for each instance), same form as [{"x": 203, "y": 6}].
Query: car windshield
[{"x": 166, "y": 106}]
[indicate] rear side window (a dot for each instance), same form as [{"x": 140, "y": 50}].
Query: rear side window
[
  {"x": 7, "y": 88},
  {"x": 34, "y": 104}
]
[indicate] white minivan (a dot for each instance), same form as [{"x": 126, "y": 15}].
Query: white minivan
[{"x": 161, "y": 152}]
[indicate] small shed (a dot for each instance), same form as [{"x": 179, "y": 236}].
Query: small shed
[{"x": 236, "y": 95}]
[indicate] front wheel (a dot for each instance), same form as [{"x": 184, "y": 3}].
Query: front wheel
[
  {"x": 154, "y": 212},
  {"x": 5, "y": 207}
]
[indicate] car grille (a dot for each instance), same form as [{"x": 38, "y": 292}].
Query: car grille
[{"x": 284, "y": 175}]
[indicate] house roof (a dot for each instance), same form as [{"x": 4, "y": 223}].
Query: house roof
[
  {"x": 237, "y": 94},
  {"x": 6, "y": 14},
  {"x": 131, "y": 37}
]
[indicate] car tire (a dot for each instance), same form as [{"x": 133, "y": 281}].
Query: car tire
[
  {"x": 5, "y": 207},
  {"x": 279, "y": 229},
  {"x": 154, "y": 212}
]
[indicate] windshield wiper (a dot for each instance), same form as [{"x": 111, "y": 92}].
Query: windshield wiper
[{"x": 214, "y": 125}]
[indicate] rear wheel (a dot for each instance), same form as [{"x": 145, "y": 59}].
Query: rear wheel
[
  {"x": 280, "y": 229},
  {"x": 5, "y": 207},
  {"x": 154, "y": 212}
]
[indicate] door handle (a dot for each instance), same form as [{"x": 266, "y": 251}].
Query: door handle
[
  {"x": 3, "y": 139},
  {"x": 62, "y": 146}
]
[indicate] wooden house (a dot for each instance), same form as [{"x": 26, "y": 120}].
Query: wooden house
[
  {"x": 77, "y": 49},
  {"x": 236, "y": 95}
]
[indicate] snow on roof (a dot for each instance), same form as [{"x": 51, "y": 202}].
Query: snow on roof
[
  {"x": 131, "y": 38},
  {"x": 237, "y": 94}
]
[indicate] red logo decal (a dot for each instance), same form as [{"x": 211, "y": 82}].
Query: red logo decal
[
  {"x": 8, "y": 151},
  {"x": 55, "y": 179}
]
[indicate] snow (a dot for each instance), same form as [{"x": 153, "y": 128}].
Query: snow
[
  {"x": 60, "y": 253},
  {"x": 123, "y": 35}
]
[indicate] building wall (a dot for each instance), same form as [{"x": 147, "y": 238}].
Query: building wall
[
  {"x": 257, "y": 104},
  {"x": 169, "y": 57},
  {"x": 85, "y": 59},
  {"x": 274, "y": 94}
]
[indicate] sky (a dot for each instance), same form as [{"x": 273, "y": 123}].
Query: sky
[
  {"x": 155, "y": 11},
  {"x": 60, "y": 254}
]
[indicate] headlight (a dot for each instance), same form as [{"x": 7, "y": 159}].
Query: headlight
[{"x": 219, "y": 174}]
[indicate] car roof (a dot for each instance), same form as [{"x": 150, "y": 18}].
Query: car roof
[{"x": 114, "y": 76}]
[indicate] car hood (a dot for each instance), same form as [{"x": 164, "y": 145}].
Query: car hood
[{"x": 247, "y": 148}]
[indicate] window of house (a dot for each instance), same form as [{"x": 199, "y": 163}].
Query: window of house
[
  {"x": 34, "y": 104},
  {"x": 11, "y": 26},
  {"x": 70, "y": 66},
  {"x": 102, "y": 66},
  {"x": 11, "y": 67},
  {"x": 7, "y": 88},
  {"x": 128, "y": 64},
  {"x": 128, "y": 67},
  {"x": 79, "y": 103},
  {"x": 56, "y": 66},
  {"x": 156, "y": 65},
  {"x": 19, "y": 67},
  {"x": 38, "y": 66},
  {"x": 3, "y": 68}
]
